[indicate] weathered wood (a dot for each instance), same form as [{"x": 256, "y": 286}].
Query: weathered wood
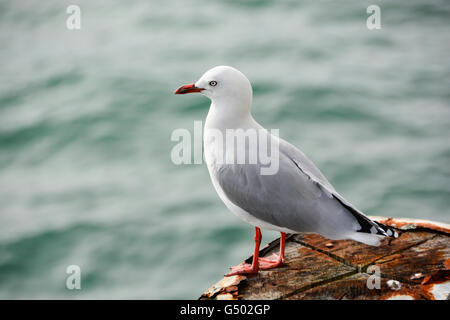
[{"x": 414, "y": 266}]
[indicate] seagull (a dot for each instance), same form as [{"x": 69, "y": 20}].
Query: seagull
[{"x": 296, "y": 198}]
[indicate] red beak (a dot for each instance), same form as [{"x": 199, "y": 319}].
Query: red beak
[{"x": 188, "y": 89}]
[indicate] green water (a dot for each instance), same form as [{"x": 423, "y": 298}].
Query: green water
[{"x": 86, "y": 117}]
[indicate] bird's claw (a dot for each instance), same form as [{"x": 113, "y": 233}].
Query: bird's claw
[
  {"x": 263, "y": 264},
  {"x": 267, "y": 263},
  {"x": 242, "y": 269}
]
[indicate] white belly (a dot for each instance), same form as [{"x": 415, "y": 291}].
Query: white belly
[{"x": 213, "y": 167}]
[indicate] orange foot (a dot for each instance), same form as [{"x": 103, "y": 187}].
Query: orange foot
[
  {"x": 266, "y": 263},
  {"x": 263, "y": 264}
]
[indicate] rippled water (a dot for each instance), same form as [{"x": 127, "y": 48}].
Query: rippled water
[{"x": 86, "y": 118}]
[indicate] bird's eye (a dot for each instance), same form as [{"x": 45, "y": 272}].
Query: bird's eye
[{"x": 213, "y": 83}]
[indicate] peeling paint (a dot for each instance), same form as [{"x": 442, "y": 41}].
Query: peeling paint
[
  {"x": 401, "y": 297},
  {"x": 441, "y": 291},
  {"x": 417, "y": 276},
  {"x": 437, "y": 285},
  {"x": 226, "y": 296},
  {"x": 224, "y": 285}
]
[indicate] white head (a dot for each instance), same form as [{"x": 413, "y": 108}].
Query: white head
[{"x": 228, "y": 88}]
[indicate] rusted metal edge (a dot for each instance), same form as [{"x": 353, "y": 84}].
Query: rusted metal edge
[
  {"x": 408, "y": 224},
  {"x": 225, "y": 289}
]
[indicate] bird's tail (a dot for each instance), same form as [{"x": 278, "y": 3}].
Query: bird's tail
[
  {"x": 370, "y": 232},
  {"x": 388, "y": 231}
]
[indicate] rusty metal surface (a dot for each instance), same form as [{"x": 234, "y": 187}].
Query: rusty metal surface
[
  {"x": 355, "y": 288},
  {"x": 414, "y": 266},
  {"x": 360, "y": 254},
  {"x": 303, "y": 267}
]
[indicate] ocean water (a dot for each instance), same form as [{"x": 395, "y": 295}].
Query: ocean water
[{"x": 86, "y": 116}]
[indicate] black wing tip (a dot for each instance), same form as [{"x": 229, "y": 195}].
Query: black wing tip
[{"x": 386, "y": 230}]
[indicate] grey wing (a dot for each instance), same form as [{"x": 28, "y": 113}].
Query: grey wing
[
  {"x": 304, "y": 164},
  {"x": 307, "y": 167},
  {"x": 297, "y": 197},
  {"x": 288, "y": 199}
]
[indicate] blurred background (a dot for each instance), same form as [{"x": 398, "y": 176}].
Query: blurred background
[{"x": 86, "y": 117}]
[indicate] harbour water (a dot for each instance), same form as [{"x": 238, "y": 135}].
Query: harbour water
[{"x": 86, "y": 117}]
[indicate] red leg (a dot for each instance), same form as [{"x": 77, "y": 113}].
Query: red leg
[
  {"x": 277, "y": 260},
  {"x": 260, "y": 263},
  {"x": 249, "y": 268}
]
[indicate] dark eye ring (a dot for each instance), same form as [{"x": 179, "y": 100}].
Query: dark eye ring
[{"x": 213, "y": 83}]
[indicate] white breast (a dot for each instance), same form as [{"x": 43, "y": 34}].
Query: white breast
[{"x": 213, "y": 164}]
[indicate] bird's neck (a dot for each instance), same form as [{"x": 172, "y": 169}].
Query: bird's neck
[{"x": 229, "y": 116}]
